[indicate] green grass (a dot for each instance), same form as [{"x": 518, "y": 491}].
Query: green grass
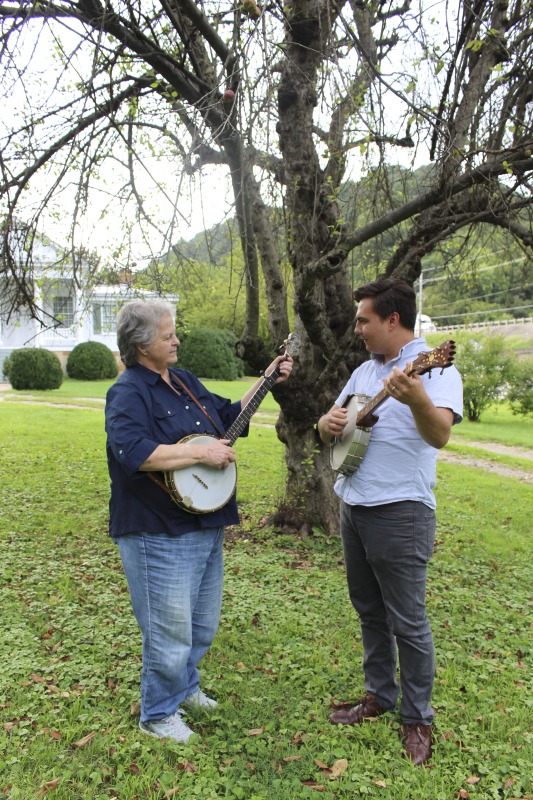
[
  {"x": 288, "y": 642},
  {"x": 497, "y": 424},
  {"x": 74, "y": 392}
]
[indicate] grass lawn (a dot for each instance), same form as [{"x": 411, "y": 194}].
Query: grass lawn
[
  {"x": 92, "y": 393},
  {"x": 288, "y": 641}
]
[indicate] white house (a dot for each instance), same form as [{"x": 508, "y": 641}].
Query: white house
[{"x": 77, "y": 311}]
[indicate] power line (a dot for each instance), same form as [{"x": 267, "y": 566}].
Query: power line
[
  {"x": 483, "y": 269},
  {"x": 425, "y": 270},
  {"x": 483, "y": 296},
  {"x": 489, "y": 311}
]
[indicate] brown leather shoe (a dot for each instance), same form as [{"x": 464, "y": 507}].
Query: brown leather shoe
[
  {"x": 416, "y": 740},
  {"x": 354, "y": 715}
]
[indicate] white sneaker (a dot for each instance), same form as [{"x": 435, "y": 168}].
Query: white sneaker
[
  {"x": 198, "y": 700},
  {"x": 172, "y": 727}
]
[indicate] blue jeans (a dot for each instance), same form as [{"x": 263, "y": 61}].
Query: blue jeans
[
  {"x": 386, "y": 552},
  {"x": 175, "y": 585}
]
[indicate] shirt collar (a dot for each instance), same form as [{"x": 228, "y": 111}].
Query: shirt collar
[
  {"x": 149, "y": 376},
  {"x": 416, "y": 345}
]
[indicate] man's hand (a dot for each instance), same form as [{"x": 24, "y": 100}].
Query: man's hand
[
  {"x": 433, "y": 424},
  {"x": 332, "y": 424}
]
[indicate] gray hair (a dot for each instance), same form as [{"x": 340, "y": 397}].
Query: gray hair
[{"x": 137, "y": 326}]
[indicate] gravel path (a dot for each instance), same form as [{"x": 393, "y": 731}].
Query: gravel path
[{"x": 492, "y": 466}]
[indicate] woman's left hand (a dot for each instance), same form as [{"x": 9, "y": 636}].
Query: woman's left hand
[{"x": 285, "y": 364}]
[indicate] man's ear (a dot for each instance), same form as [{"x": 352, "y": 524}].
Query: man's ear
[{"x": 394, "y": 320}]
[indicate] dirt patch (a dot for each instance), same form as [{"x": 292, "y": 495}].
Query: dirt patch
[
  {"x": 505, "y": 450},
  {"x": 491, "y": 466}
]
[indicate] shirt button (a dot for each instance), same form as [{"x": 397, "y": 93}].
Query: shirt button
[
  {"x": 186, "y": 408},
  {"x": 169, "y": 412},
  {"x": 198, "y": 423}
]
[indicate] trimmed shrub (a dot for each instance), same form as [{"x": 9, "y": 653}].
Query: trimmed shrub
[
  {"x": 34, "y": 368},
  {"x": 5, "y": 368},
  {"x": 91, "y": 361},
  {"x": 485, "y": 370},
  {"x": 210, "y": 353},
  {"x": 520, "y": 394}
]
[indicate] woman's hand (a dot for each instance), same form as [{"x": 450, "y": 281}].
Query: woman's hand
[
  {"x": 284, "y": 363},
  {"x": 219, "y": 453}
]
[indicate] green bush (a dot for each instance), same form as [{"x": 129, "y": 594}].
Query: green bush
[
  {"x": 5, "y": 368},
  {"x": 91, "y": 361},
  {"x": 34, "y": 368},
  {"x": 520, "y": 394},
  {"x": 485, "y": 369},
  {"x": 210, "y": 353}
]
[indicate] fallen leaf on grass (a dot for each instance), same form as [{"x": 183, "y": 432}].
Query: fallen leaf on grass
[
  {"x": 312, "y": 784},
  {"x": 292, "y": 758},
  {"x": 83, "y": 741},
  {"x": 172, "y": 792},
  {"x": 473, "y": 779},
  {"x": 338, "y": 768},
  {"x": 508, "y": 783},
  {"x": 53, "y": 734},
  {"x": 463, "y": 794},
  {"x": 381, "y": 784},
  {"x": 256, "y": 731},
  {"x": 320, "y": 764},
  {"x": 525, "y": 797},
  {"x": 186, "y": 765},
  {"x": 49, "y": 786}
]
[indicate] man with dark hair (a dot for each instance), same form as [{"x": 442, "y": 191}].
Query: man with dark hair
[{"x": 388, "y": 510}]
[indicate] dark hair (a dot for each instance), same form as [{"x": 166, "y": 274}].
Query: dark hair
[
  {"x": 390, "y": 295},
  {"x": 137, "y": 325}
]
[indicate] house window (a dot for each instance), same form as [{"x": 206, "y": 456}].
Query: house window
[
  {"x": 64, "y": 311},
  {"x": 104, "y": 317}
]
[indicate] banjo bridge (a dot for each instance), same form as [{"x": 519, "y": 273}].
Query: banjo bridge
[{"x": 200, "y": 481}]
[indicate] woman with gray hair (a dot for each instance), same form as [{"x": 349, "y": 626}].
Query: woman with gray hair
[{"x": 172, "y": 555}]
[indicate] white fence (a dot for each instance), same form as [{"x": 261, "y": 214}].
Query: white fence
[{"x": 491, "y": 324}]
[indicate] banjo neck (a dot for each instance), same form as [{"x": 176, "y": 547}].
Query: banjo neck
[
  {"x": 235, "y": 430},
  {"x": 366, "y": 418},
  {"x": 438, "y": 358}
]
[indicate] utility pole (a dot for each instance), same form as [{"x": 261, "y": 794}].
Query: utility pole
[{"x": 420, "y": 282}]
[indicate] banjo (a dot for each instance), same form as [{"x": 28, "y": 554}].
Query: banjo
[
  {"x": 202, "y": 488},
  {"x": 348, "y": 450}
]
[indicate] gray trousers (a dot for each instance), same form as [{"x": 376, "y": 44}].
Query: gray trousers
[{"x": 386, "y": 552}]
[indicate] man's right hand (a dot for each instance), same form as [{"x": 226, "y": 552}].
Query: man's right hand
[{"x": 332, "y": 424}]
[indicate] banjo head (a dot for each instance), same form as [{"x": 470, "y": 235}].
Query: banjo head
[
  {"x": 347, "y": 452},
  {"x": 201, "y": 488}
]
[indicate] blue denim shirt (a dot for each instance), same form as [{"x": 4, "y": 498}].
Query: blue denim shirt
[
  {"x": 141, "y": 413},
  {"x": 398, "y": 464}
]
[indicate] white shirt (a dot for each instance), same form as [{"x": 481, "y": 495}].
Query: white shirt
[{"x": 398, "y": 464}]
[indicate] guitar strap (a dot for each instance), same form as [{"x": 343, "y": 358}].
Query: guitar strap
[
  {"x": 195, "y": 400},
  {"x": 153, "y": 477}
]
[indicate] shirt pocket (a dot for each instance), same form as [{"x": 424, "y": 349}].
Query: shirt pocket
[{"x": 169, "y": 422}]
